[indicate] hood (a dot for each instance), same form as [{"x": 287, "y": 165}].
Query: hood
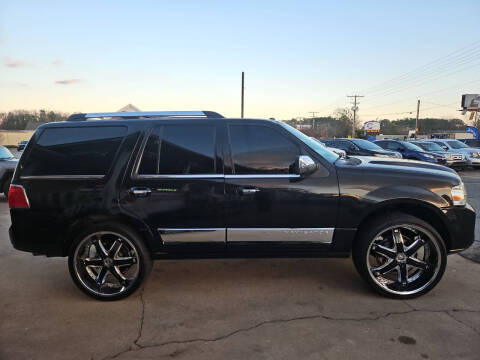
[{"x": 397, "y": 165}]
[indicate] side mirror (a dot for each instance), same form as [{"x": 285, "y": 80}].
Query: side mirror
[{"x": 306, "y": 165}]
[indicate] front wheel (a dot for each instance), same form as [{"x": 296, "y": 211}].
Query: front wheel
[
  {"x": 400, "y": 256},
  {"x": 108, "y": 261}
]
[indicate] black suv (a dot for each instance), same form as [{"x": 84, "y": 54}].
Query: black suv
[{"x": 114, "y": 194}]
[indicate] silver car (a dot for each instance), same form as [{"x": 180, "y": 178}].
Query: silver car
[{"x": 472, "y": 155}]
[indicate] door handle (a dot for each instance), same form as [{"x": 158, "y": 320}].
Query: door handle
[
  {"x": 249, "y": 191},
  {"x": 140, "y": 192}
]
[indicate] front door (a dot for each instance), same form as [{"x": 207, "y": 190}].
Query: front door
[
  {"x": 269, "y": 206},
  {"x": 177, "y": 186}
]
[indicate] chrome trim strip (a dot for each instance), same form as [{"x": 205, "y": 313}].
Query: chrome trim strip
[
  {"x": 62, "y": 177},
  {"x": 253, "y": 176},
  {"x": 193, "y": 176},
  {"x": 311, "y": 235},
  {"x": 192, "y": 235},
  {"x": 216, "y": 176}
]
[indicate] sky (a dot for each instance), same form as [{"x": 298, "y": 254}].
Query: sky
[{"x": 298, "y": 56}]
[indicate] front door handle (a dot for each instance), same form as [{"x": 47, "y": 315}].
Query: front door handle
[
  {"x": 249, "y": 191},
  {"x": 140, "y": 191}
]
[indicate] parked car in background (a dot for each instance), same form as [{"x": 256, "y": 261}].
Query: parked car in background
[
  {"x": 454, "y": 159},
  {"x": 472, "y": 155},
  {"x": 475, "y": 143},
  {"x": 8, "y": 163},
  {"x": 360, "y": 147},
  {"x": 340, "y": 152},
  {"x": 411, "y": 151},
  {"x": 21, "y": 145},
  {"x": 114, "y": 194}
]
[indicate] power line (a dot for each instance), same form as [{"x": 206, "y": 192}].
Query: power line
[
  {"x": 449, "y": 56},
  {"x": 423, "y": 94}
]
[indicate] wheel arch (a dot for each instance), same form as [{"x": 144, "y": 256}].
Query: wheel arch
[
  {"x": 142, "y": 229},
  {"x": 420, "y": 209}
]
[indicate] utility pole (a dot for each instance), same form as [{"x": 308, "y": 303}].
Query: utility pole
[
  {"x": 313, "y": 118},
  {"x": 354, "y": 108},
  {"x": 416, "y": 121},
  {"x": 243, "y": 92}
]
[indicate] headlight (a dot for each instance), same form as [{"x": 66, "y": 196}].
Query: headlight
[
  {"x": 459, "y": 196},
  {"x": 398, "y": 155},
  {"x": 428, "y": 156},
  {"x": 474, "y": 154},
  {"x": 382, "y": 155}
]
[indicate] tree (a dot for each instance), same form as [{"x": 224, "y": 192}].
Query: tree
[{"x": 18, "y": 119}]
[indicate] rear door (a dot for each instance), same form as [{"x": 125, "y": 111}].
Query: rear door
[
  {"x": 269, "y": 206},
  {"x": 177, "y": 185}
]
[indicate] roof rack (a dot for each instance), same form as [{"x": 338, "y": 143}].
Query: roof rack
[{"x": 145, "y": 114}]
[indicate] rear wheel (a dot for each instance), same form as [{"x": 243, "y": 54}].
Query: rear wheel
[
  {"x": 109, "y": 261},
  {"x": 400, "y": 256}
]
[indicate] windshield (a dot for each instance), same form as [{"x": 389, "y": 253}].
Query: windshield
[
  {"x": 428, "y": 146},
  {"x": 411, "y": 146},
  {"x": 365, "y": 144},
  {"x": 5, "y": 153},
  {"x": 455, "y": 144},
  {"x": 319, "y": 149}
]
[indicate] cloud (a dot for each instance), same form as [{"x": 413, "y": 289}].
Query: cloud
[
  {"x": 12, "y": 63},
  {"x": 57, "y": 62},
  {"x": 68, "y": 81}
]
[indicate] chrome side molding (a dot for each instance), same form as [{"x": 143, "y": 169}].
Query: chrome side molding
[
  {"x": 309, "y": 235},
  {"x": 217, "y": 235},
  {"x": 193, "y": 235}
]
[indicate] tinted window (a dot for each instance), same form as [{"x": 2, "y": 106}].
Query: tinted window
[
  {"x": 74, "y": 151},
  {"x": 345, "y": 145},
  {"x": 392, "y": 145},
  {"x": 179, "y": 150},
  {"x": 262, "y": 150}
]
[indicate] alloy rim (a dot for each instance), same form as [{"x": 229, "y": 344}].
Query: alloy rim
[
  {"x": 404, "y": 259},
  {"x": 106, "y": 263}
]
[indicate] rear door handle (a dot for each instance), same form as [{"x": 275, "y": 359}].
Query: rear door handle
[
  {"x": 249, "y": 191},
  {"x": 140, "y": 191}
]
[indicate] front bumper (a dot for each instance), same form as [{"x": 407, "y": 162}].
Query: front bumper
[
  {"x": 461, "y": 227},
  {"x": 473, "y": 162},
  {"x": 456, "y": 163}
]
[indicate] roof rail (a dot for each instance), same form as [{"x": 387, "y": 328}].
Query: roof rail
[{"x": 145, "y": 114}]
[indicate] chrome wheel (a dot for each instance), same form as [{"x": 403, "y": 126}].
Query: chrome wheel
[
  {"x": 404, "y": 259},
  {"x": 106, "y": 263}
]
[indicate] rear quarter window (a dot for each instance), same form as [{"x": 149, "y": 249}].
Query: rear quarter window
[{"x": 73, "y": 151}]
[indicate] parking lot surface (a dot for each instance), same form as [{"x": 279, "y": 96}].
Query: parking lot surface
[{"x": 236, "y": 309}]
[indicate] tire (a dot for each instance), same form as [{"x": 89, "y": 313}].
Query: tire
[
  {"x": 108, "y": 261},
  {"x": 400, "y": 256},
  {"x": 6, "y": 186}
]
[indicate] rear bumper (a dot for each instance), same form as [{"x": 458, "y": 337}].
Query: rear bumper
[
  {"x": 461, "y": 226},
  {"x": 30, "y": 237}
]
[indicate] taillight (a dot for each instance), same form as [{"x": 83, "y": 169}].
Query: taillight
[{"x": 17, "y": 198}]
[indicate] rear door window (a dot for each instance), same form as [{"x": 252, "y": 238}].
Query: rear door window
[
  {"x": 74, "y": 151},
  {"x": 179, "y": 150}
]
